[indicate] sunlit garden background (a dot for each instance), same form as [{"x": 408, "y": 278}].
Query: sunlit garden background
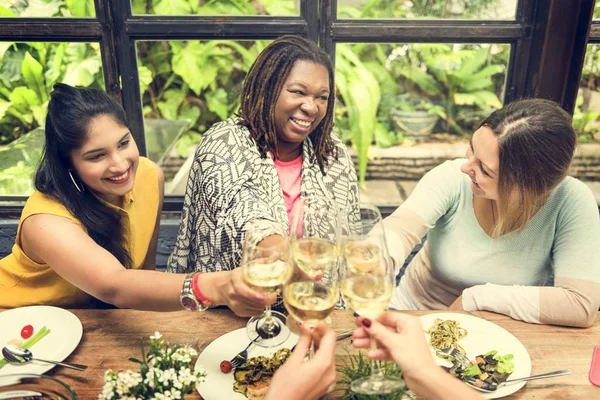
[{"x": 388, "y": 95}]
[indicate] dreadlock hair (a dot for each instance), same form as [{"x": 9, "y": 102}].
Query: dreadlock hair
[
  {"x": 262, "y": 87},
  {"x": 70, "y": 112}
]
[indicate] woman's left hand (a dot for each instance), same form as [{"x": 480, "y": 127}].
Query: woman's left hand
[{"x": 457, "y": 305}]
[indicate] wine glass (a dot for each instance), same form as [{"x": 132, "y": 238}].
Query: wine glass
[
  {"x": 265, "y": 269},
  {"x": 367, "y": 283},
  {"x": 26, "y": 386},
  {"x": 312, "y": 292}
]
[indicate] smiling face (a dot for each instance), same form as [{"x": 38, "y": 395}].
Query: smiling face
[
  {"x": 483, "y": 163},
  {"x": 108, "y": 160},
  {"x": 301, "y": 106}
]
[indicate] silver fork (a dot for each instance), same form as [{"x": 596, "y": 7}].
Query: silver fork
[
  {"x": 456, "y": 354},
  {"x": 242, "y": 356}
]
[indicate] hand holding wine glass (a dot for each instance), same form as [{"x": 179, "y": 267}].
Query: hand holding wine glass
[{"x": 265, "y": 268}]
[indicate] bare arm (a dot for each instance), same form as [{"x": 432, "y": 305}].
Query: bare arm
[
  {"x": 61, "y": 244},
  {"x": 150, "y": 260}
]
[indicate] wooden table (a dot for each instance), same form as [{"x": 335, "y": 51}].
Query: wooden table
[{"x": 112, "y": 336}]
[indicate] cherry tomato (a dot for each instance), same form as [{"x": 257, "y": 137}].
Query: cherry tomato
[
  {"x": 225, "y": 366},
  {"x": 27, "y": 331}
]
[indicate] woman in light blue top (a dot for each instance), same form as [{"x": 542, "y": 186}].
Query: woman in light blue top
[{"x": 502, "y": 222}]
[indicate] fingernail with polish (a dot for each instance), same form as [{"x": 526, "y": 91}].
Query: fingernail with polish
[
  {"x": 366, "y": 323},
  {"x": 260, "y": 297}
]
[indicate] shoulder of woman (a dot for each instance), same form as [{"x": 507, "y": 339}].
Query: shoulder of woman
[
  {"x": 225, "y": 134},
  {"x": 572, "y": 190},
  {"x": 40, "y": 203}
]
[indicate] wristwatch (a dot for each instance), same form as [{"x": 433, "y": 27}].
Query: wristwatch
[{"x": 188, "y": 299}]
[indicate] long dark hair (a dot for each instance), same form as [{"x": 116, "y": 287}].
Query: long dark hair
[
  {"x": 70, "y": 112},
  {"x": 536, "y": 142},
  {"x": 263, "y": 85}
]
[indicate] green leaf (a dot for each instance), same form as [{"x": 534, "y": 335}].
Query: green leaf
[
  {"x": 145, "y": 77},
  {"x": 42, "y": 8},
  {"x": 190, "y": 112},
  {"x": 6, "y": 12},
  {"x": 3, "y": 47},
  {"x": 84, "y": 63},
  {"x": 422, "y": 79},
  {"x": 81, "y": 8},
  {"x": 217, "y": 102},
  {"x": 39, "y": 113},
  {"x": 280, "y": 7},
  {"x": 482, "y": 98},
  {"x": 55, "y": 63},
  {"x": 170, "y": 106},
  {"x": 33, "y": 76},
  {"x": 4, "y": 105},
  {"x": 474, "y": 63},
  {"x": 173, "y": 7},
  {"x": 23, "y": 98},
  {"x": 193, "y": 65}
]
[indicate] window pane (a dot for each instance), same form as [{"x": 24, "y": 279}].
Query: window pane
[
  {"x": 47, "y": 8},
  {"x": 428, "y": 9},
  {"x": 587, "y": 106},
  {"x": 27, "y": 73},
  {"x": 415, "y": 94},
  {"x": 186, "y": 87},
  {"x": 221, "y": 7}
]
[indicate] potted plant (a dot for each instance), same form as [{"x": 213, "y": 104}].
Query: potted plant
[
  {"x": 459, "y": 77},
  {"x": 413, "y": 117}
]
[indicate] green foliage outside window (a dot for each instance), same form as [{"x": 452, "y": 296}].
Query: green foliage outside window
[{"x": 200, "y": 81}]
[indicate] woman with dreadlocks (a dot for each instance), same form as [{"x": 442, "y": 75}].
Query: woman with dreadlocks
[{"x": 251, "y": 171}]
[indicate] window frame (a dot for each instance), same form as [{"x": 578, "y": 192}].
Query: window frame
[{"x": 542, "y": 35}]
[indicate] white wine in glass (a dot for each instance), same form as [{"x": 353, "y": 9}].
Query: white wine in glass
[
  {"x": 367, "y": 283},
  {"x": 314, "y": 256},
  {"x": 310, "y": 301},
  {"x": 267, "y": 278},
  {"x": 265, "y": 269}
]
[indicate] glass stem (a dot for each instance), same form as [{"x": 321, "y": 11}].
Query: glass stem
[
  {"x": 268, "y": 325},
  {"x": 376, "y": 372}
]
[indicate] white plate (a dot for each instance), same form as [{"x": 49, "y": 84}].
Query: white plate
[
  {"x": 483, "y": 336},
  {"x": 219, "y": 386},
  {"x": 65, "y": 333}
]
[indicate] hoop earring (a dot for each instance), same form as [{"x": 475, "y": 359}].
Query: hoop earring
[{"x": 80, "y": 190}]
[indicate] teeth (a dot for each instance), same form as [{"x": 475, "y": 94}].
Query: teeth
[
  {"x": 304, "y": 124},
  {"x": 118, "y": 178}
]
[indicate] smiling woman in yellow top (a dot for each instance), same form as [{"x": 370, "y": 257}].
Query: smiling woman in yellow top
[{"x": 92, "y": 224}]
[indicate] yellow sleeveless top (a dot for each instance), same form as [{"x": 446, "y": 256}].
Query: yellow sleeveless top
[{"x": 24, "y": 282}]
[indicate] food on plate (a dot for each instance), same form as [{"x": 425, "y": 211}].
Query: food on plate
[
  {"x": 29, "y": 342},
  {"x": 27, "y": 331},
  {"x": 444, "y": 334},
  {"x": 15, "y": 342},
  {"x": 225, "y": 366},
  {"x": 486, "y": 371},
  {"x": 253, "y": 377}
]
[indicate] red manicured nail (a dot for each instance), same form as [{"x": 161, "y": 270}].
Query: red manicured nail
[{"x": 366, "y": 323}]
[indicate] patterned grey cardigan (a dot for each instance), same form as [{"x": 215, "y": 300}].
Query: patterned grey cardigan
[{"x": 232, "y": 190}]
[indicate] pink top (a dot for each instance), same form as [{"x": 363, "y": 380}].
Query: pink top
[{"x": 290, "y": 179}]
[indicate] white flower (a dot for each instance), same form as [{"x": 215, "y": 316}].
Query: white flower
[{"x": 156, "y": 336}]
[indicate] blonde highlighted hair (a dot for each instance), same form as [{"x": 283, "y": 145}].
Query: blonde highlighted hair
[{"x": 536, "y": 143}]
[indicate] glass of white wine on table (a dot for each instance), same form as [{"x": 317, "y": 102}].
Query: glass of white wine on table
[
  {"x": 367, "y": 282},
  {"x": 265, "y": 269},
  {"x": 312, "y": 293}
]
